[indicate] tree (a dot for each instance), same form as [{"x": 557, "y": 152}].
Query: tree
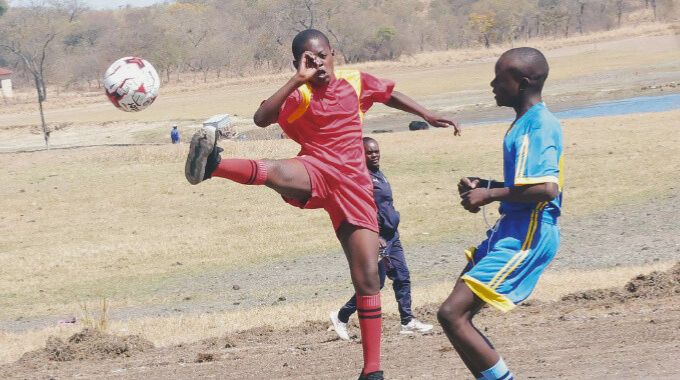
[
  {"x": 29, "y": 33},
  {"x": 3, "y": 7},
  {"x": 484, "y": 24}
]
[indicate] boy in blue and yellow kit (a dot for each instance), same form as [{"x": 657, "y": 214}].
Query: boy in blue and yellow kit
[{"x": 504, "y": 269}]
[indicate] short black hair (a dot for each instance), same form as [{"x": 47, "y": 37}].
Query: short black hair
[
  {"x": 369, "y": 139},
  {"x": 529, "y": 63},
  {"x": 302, "y": 38}
]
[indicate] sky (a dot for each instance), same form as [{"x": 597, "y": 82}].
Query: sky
[{"x": 102, "y": 4}]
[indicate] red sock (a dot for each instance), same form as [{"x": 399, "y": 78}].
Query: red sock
[
  {"x": 247, "y": 172},
  {"x": 370, "y": 322}
]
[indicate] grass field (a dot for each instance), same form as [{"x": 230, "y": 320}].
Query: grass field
[
  {"x": 95, "y": 223},
  {"x": 122, "y": 224}
]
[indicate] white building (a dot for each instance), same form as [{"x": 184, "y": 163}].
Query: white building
[{"x": 6, "y": 82}]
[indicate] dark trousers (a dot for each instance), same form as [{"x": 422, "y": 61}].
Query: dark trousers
[{"x": 394, "y": 267}]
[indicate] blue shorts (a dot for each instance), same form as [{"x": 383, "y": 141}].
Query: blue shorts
[{"x": 504, "y": 269}]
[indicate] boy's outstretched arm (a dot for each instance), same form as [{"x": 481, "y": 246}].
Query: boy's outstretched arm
[
  {"x": 540, "y": 192},
  {"x": 268, "y": 112},
  {"x": 402, "y": 102}
]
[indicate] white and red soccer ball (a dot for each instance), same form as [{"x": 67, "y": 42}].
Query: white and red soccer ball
[{"x": 131, "y": 84}]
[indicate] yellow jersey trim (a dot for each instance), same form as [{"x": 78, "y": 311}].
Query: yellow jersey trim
[
  {"x": 561, "y": 168},
  {"x": 353, "y": 77},
  {"x": 522, "y": 181},
  {"x": 488, "y": 294},
  {"x": 305, "y": 97}
]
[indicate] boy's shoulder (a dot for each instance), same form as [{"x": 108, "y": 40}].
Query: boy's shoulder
[{"x": 543, "y": 119}]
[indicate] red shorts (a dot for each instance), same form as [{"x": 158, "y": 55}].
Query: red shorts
[{"x": 343, "y": 199}]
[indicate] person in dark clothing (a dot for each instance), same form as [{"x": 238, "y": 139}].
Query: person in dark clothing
[
  {"x": 392, "y": 260},
  {"x": 174, "y": 135}
]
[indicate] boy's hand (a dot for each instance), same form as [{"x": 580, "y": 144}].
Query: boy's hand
[
  {"x": 466, "y": 184},
  {"x": 442, "y": 122},
  {"x": 475, "y": 198},
  {"x": 307, "y": 67},
  {"x": 382, "y": 243}
]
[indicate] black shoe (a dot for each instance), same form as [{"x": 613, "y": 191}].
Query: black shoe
[
  {"x": 213, "y": 160},
  {"x": 377, "y": 375},
  {"x": 202, "y": 152}
]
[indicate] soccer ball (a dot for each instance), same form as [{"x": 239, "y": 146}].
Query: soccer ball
[{"x": 131, "y": 84}]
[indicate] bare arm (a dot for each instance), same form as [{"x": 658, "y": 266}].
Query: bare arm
[
  {"x": 268, "y": 112},
  {"x": 468, "y": 183},
  {"x": 405, "y": 103},
  {"x": 477, "y": 197}
]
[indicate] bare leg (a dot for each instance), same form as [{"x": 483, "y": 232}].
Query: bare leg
[
  {"x": 361, "y": 248},
  {"x": 289, "y": 178},
  {"x": 455, "y": 316}
]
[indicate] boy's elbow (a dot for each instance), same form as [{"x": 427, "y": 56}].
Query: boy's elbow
[
  {"x": 260, "y": 121},
  {"x": 551, "y": 191}
]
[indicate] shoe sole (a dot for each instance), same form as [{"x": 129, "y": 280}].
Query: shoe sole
[{"x": 202, "y": 144}]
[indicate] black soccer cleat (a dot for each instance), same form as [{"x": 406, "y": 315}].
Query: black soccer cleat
[
  {"x": 377, "y": 375},
  {"x": 203, "y": 155}
]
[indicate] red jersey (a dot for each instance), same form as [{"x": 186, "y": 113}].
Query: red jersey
[{"x": 327, "y": 123}]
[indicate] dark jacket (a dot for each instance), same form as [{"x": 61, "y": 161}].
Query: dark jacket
[{"x": 388, "y": 217}]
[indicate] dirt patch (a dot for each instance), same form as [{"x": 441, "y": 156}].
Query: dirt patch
[
  {"x": 223, "y": 342},
  {"x": 87, "y": 344},
  {"x": 589, "y": 335},
  {"x": 653, "y": 285}
]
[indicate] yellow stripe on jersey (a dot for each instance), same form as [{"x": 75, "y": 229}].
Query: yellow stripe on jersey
[
  {"x": 353, "y": 77},
  {"x": 522, "y": 181},
  {"x": 305, "y": 97},
  {"x": 560, "y": 181}
]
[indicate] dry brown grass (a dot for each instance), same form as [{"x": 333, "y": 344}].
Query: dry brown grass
[
  {"x": 85, "y": 224},
  {"x": 109, "y": 222},
  {"x": 422, "y": 75},
  {"x": 165, "y": 331}
]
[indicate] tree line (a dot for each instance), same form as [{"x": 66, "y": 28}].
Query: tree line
[{"x": 72, "y": 45}]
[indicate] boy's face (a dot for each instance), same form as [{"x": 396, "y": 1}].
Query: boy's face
[
  {"x": 372, "y": 152},
  {"x": 323, "y": 61},
  {"x": 505, "y": 85}
]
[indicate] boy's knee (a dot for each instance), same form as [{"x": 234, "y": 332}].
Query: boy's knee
[
  {"x": 278, "y": 172},
  {"x": 445, "y": 315},
  {"x": 450, "y": 318},
  {"x": 367, "y": 283}
]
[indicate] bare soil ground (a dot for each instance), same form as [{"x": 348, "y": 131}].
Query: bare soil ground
[{"x": 625, "y": 332}]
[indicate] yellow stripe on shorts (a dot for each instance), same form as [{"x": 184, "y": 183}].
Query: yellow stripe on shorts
[{"x": 526, "y": 247}]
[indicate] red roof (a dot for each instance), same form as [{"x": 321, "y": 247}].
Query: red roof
[{"x": 5, "y": 71}]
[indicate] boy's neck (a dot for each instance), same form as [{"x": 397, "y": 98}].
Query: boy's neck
[{"x": 526, "y": 104}]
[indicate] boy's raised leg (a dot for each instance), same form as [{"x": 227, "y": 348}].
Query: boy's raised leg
[{"x": 287, "y": 177}]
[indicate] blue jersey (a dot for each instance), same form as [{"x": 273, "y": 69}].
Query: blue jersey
[
  {"x": 532, "y": 153},
  {"x": 388, "y": 217}
]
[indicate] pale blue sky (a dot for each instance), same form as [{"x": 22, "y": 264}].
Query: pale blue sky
[{"x": 102, "y": 4}]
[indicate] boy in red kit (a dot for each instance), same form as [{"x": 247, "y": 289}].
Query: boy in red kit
[{"x": 322, "y": 110}]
